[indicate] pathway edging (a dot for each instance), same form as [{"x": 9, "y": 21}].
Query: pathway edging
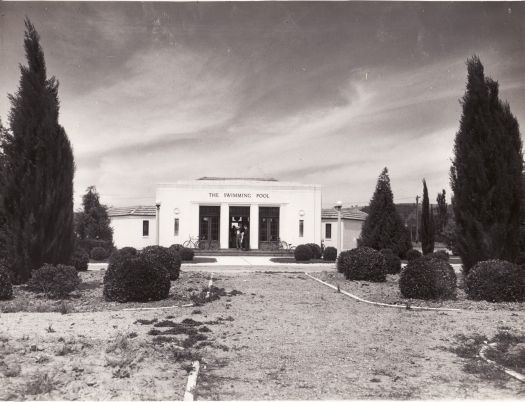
[
  {"x": 512, "y": 373},
  {"x": 381, "y": 304}
]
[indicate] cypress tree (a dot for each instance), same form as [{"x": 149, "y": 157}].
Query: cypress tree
[
  {"x": 39, "y": 169},
  {"x": 486, "y": 173},
  {"x": 93, "y": 222},
  {"x": 383, "y": 227},
  {"x": 442, "y": 211},
  {"x": 427, "y": 224}
]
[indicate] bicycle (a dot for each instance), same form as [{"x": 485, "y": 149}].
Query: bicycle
[{"x": 192, "y": 242}]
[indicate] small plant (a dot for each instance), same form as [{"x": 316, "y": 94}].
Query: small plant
[
  {"x": 64, "y": 350},
  {"x": 6, "y": 287},
  {"x": 143, "y": 321},
  {"x": 330, "y": 254},
  {"x": 392, "y": 261},
  {"x": 164, "y": 257},
  {"x": 316, "y": 250},
  {"x": 50, "y": 329},
  {"x": 98, "y": 254},
  {"x": 496, "y": 281},
  {"x": 428, "y": 278},
  {"x": 41, "y": 383},
  {"x": 135, "y": 278},
  {"x": 303, "y": 252},
  {"x": 12, "y": 370},
  {"x": 54, "y": 281},
  {"x": 186, "y": 254},
  {"x": 363, "y": 264},
  {"x": 64, "y": 307},
  {"x": 80, "y": 259},
  {"x": 412, "y": 254}
]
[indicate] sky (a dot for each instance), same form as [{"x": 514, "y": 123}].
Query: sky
[{"x": 319, "y": 93}]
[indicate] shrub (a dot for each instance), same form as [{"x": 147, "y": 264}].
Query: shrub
[
  {"x": 441, "y": 254},
  {"x": 98, "y": 253},
  {"x": 496, "y": 281},
  {"x": 343, "y": 260},
  {"x": 135, "y": 278},
  {"x": 186, "y": 254},
  {"x": 80, "y": 259},
  {"x": 330, "y": 254},
  {"x": 428, "y": 278},
  {"x": 6, "y": 287},
  {"x": 316, "y": 250},
  {"x": 412, "y": 254},
  {"x": 169, "y": 259},
  {"x": 54, "y": 280},
  {"x": 303, "y": 252},
  {"x": 392, "y": 261},
  {"x": 364, "y": 263}
]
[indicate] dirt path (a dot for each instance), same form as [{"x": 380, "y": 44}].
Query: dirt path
[{"x": 292, "y": 338}]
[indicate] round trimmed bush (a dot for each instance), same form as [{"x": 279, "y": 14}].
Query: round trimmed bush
[
  {"x": 412, "y": 254},
  {"x": 496, "y": 281},
  {"x": 80, "y": 259},
  {"x": 303, "y": 252},
  {"x": 136, "y": 278},
  {"x": 343, "y": 260},
  {"x": 54, "y": 280},
  {"x": 98, "y": 253},
  {"x": 6, "y": 287},
  {"x": 316, "y": 250},
  {"x": 363, "y": 264},
  {"x": 441, "y": 254},
  {"x": 186, "y": 254},
  {"x": 428, "y": 278},
  {"x": 165, "y": 258},
  {"x": 392, "y": 261},
  {"x": 330, "y": 254},
  {"x": 128, "y": 251}
]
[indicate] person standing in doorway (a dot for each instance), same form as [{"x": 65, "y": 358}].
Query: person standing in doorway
[
  {"x": 238, "y": 238},
  {"x": 245, "y": 238}
]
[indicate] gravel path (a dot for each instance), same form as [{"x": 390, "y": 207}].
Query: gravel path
[{"x": 292, "y": 338}]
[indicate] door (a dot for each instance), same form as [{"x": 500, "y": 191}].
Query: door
[
  {"x": 209, "y": 224},
  {"x": 268, "y": 227},
  {"x": 239, "y": 227}
]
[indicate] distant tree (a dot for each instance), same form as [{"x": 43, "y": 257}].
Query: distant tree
[
  {"x": 38, "y": 171},
  {"x": 442, "y": 211},
  {"x": 427, "y": 225},
  {"x": 93, "y": 222},
  {"x": 486, "y": 173},
  {"x": 3, "y": 134},
  {"x": 383, "y": 227}
]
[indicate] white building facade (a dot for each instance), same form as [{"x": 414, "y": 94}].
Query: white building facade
[
  {"x": 210, "y": 210},
  {"x": 351, "y": 222}
]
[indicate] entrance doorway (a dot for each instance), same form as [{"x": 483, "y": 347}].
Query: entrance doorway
[
  {"x": 209, "y": 222},
  {"x": 268, "y": 227},
  {"x": 239, "y": 228}
]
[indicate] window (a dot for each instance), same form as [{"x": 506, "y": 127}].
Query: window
[
  {"x": 301, "y": 228},
  {"x": 176, "y": 227},
  {"x": 145, "y": 228},
  {"x": 328, "y": 231}
]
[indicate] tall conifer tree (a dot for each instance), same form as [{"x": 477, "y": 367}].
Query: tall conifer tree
[
  {"x": 486, "y": 173},
  {"x": 93, "y": 222},
  {"x": 383, "y": 227},
  {"x": 38, "y": 184},
  {"x": 427, "y": 224},
  {"x": 442, "y": 211}
]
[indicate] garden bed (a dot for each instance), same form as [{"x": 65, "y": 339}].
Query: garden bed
[
  {"x": 388, "y": 292},
  {"x": 292, "y": 260},
  {"x": 89, "y": 296}
]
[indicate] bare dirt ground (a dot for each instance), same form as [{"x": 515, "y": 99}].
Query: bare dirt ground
[
  {"x": 292, "y": 338},
  {"x": 100, "y": 354},
  {"x": 263, "y": 336}
]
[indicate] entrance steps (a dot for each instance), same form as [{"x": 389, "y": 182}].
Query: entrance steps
[{"x": 235, "y": 252}]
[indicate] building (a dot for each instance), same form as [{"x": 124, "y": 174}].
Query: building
[
  {"x": 207, "y": 212},
  {"x": 210, "y": 210},
  {"x": 351, "y": 222}
]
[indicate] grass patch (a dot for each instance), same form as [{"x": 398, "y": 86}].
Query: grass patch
[
  {"x": 509, "y": 351},
  {"x": 42, "y": 383},
  {"x": 143, "y": 321},
  {"x": 291, "y": 260},
  {"x": 201, "y": 260}
]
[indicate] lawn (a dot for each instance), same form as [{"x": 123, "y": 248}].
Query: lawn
[{"x": 259, "y": 336}]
